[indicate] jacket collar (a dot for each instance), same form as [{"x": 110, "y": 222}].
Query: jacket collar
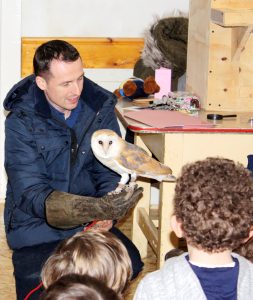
[{"x": 41, "y": 104}]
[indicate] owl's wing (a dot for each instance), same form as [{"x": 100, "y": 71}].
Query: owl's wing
[{"x": 135, "y": 159}]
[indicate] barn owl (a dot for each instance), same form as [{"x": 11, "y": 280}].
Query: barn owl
[{"x": 127, "y": 159}]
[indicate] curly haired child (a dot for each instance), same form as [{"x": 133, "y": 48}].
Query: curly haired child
[{"x": 213, "y": 209}]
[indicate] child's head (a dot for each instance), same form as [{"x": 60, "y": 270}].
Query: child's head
[
  {"x": 97, "y": 254},
  {"x": 214, "y": 204},
  {"x": 78, "y": 287}
]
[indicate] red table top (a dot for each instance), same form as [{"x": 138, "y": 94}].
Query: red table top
[{"x": 243, "y": 123}]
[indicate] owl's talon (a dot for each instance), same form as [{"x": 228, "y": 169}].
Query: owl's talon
[
  {"x": 118, "y": 189},
  {"x": 131, "y": 186}
]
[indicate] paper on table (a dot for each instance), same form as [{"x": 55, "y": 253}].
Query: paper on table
[{"x": 166, "y": 118}]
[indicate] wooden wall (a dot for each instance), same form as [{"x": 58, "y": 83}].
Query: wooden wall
[{"x": 96, "y": 52}]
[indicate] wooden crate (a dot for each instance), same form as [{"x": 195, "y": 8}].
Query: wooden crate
[{"x": 219, "y": 58}]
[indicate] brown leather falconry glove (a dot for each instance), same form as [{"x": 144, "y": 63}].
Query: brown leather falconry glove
[{"x": 64, "y": 210}]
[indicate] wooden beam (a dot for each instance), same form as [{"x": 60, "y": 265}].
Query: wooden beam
[
  {"x": 148, "y": 228},
  {"x": 102, "y": 53},
  {"x": 239, "y": 41},
  {"x": 234, "y": 4},
  {"x": 232, "y": 17}
]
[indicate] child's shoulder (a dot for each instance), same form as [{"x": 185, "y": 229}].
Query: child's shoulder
[
  {"x": 244, "y": 286},
  {"x": 175, "y": 278},
  {"x": 243, "y": 262},
  {"x": 160, "y": 284},
  {"x": 171, "y": 266}
]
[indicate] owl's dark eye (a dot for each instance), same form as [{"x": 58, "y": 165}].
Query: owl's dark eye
[
  {"x": 110, "y": 142},
  {"x": 100, "y": 142}
]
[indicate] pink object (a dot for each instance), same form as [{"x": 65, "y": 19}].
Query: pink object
[
  {"x": 163, "y": 79},
  {"x": 166, "y": 118}
]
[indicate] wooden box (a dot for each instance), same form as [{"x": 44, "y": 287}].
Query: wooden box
[{"x": 220, "y": 54}]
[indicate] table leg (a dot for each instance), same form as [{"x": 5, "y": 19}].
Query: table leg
[
  {"x": 138, "y": 237},
  {"x": 166, "y": 238}
]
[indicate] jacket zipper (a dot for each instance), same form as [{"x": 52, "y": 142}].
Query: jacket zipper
[{"x": 75, "y": 152}]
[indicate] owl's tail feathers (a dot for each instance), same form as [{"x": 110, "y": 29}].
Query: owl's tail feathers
[{"x": 170, "y": 178}]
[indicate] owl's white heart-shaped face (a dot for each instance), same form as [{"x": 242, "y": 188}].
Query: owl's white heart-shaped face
[{"x": 105, "y": 144}]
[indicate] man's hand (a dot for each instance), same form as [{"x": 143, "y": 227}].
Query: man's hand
[
  {"x": 64, "y": 210},
  {"x": 101, "y": 226}
]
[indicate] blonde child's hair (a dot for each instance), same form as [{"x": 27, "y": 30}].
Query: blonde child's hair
[{"x": 97, "y": 254}]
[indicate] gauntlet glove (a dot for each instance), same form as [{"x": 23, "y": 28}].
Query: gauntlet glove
[{"x": 64, "y": 210}]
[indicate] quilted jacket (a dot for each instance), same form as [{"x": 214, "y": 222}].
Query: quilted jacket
[{"x": 43, "y": 154}]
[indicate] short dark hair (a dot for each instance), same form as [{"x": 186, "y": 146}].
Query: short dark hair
[
  {"x": 54, "y": 49},
  {"x": 214, "y": 202},
  {"x": 78, "y": 287}
]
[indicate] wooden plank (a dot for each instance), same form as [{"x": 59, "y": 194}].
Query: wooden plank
[
  {"x": 198, "y": 49},
  {"x": 234, "y": 4},
  {"x": 95, "y": 52},
  {"x": 156, "y": 143},
  {"x": 232, "y": 17},
  {"x": 167, "y": 239},
  {"x": 223, "y": 78},
  {"x": 148, "y": 228},
  {"x": 242, "y": 35}
]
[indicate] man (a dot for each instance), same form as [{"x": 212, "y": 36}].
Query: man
[{"x": 56, "y": 187}]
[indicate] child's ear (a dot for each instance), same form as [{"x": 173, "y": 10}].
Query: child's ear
[
  {"x": 250, "y": 234},
  {"x": 177, "y": 226}
]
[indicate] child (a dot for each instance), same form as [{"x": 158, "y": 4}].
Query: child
[
  {"x": 214, "y": 213},
  {"x": 74, "y": 287},
  {"x": 98, "y": 254}
]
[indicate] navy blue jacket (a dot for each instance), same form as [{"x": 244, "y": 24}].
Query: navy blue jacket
[{"x": 42, "y": 154}]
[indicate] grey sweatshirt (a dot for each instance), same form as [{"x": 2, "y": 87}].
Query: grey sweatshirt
[{"x": 176, "y": 280}]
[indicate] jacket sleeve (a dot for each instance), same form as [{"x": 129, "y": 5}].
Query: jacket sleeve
[
  {"x": 26, "y": 171},
  {"x": 106, "y": 179}
]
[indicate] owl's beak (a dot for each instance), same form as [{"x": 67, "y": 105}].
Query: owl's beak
[{"x": 106, "y": 147}]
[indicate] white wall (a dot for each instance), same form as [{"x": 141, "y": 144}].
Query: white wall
[
  {"x": 10, "y": 31},
  {"x": 93, "y": 18},
  {"x": 87, "y": 18}
]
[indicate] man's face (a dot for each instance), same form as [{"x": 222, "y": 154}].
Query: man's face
[{"x": 64, "y": 84}]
